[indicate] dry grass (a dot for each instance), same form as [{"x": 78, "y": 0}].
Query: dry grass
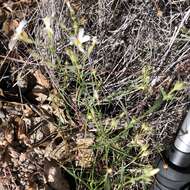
[
  {"x": 122, "y": 95},
  {"x": 143, "y": 46}
]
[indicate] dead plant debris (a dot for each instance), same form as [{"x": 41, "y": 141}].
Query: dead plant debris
[{"x": 90, "y": 91}]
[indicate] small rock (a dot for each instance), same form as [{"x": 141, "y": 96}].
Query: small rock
[
  {"x": 22, "y": 182},
  {"x": 2, "y": 115}
]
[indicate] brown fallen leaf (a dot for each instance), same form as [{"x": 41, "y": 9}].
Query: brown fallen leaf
[
  {"x": 85, "y": 153},
  {"x": 39, "y": 93},
  {"x": 41, "y": 79},
  {"x": 27, "y": 111},
  {"x": 20, "y": 124},
  {"x": 22, "y": 131},
  {"x": 41, "y": 97},
  {"x": 9, "y": 134},
  {"x": 13, "y": 153},
  {"x": 32, "y": 186},
  {"x": 1, "y": 92},
  {"x": 8, "y": 6},
  {"x": 9, "y": 26},
  {"x": 58, "y": 150},
  {"x": 59, "y": 113}
]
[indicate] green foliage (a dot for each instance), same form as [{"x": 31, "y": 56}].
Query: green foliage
[
  {"x": 116, "y": 139},
  {"x": 171, "y": 94},
  {"x": 144, "y": 80}
]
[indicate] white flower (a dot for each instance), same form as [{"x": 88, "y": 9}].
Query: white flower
[
  {"x": 21, "y": 26},
  {"x": 79, "y": 40},
  {"x": 17, "y": 34}
]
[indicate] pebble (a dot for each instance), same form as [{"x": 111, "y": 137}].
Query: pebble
[
  {"x": 22, "y": 182},
  {"x": 2, "y": 115}
]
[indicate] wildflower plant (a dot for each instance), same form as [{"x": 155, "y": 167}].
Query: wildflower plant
[
  {"x": 79, "y": 40},
  {"x": 171, "y": 94},
  {"x": 111, "y": 67},
  {"x": 120, "y": 139}
]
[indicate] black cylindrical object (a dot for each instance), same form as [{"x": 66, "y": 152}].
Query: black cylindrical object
[
  {"x": 174, "y": 168},
  {"x": 171, "y": 178}
]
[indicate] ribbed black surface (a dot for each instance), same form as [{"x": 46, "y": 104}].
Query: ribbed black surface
[{"x": 171, "y": 178}]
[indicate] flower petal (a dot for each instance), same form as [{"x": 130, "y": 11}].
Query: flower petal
[
  {"x": 72, "y": 40},
  {"x": 81, "y": 49},
  {"x": 85, "y": 39},
  {"x": 80, "y": 34},
  {"x": 21, "y": 26}
]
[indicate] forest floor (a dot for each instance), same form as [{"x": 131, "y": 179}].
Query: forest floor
[{"x": 91, "y": 91}]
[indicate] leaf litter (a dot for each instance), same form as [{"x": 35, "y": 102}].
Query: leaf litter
[
  {"x": 34, "y": 149},
  {"x": 28, "y": 134}
]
